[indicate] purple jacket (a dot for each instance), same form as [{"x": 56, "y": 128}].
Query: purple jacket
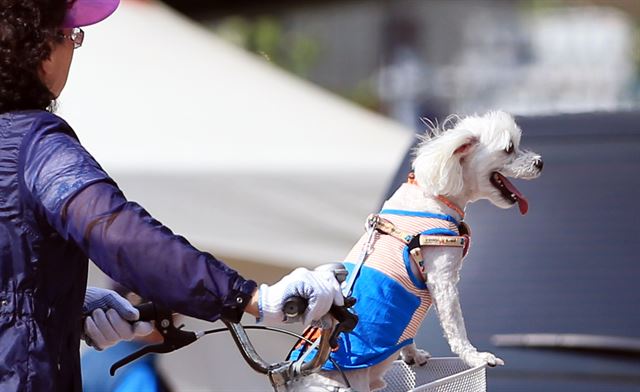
[{"x": 57, "y": 209}]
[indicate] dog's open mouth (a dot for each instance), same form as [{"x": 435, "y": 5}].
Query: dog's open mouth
[{"x": 509, "y": 191}]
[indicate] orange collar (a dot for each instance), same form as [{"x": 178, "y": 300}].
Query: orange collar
[
  {"x": 452, "y": 205},
  {"x": 411, "y": 179}
]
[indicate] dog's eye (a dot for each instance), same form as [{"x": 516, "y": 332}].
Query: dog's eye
[{"x": 509, "y": 149}]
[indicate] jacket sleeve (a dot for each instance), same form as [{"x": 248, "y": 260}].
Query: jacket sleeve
[{"x": 80, "y": 201}]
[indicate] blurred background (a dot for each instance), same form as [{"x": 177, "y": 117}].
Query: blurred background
[
  {"x": 410, "y": 59},
  {"x": 288, "y": 122}
]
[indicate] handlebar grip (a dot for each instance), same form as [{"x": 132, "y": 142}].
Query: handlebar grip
[
  {"x": 294, "y": 306},
  {"x": 147, "y": 311}
]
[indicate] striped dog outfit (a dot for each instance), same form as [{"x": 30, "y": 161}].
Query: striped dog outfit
[{"x": 391, "y": 301}]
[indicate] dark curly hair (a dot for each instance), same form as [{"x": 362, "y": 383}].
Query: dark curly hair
[{"x": 27, "y": 27}]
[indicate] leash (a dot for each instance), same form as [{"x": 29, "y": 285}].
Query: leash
[{"x": 370, "y": 225}]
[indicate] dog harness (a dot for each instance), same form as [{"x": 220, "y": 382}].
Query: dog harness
[{"x": 392, "y": 301}]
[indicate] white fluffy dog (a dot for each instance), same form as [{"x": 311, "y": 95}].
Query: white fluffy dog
[{"x": 468, "y": 161}]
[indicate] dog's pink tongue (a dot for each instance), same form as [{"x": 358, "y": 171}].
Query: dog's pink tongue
[{"x": 523, "y": 204}]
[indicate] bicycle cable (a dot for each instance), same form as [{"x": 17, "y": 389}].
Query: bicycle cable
[{"x": 286, "y": 332}]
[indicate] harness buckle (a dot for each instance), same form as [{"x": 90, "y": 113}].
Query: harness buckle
[
  {"x": 416, "y": 254},
  {"x": 373, "y": 220}
]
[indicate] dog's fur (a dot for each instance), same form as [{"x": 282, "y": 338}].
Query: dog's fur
[{"x": 456, "y": 160}]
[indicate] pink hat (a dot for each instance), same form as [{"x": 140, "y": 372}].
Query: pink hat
[{"x": 88, "y": 12}]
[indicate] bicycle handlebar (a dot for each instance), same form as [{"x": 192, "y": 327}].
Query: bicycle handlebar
[
  {"x": 294, "y": 307},
  {"x": 283, "y": 372},
  {"x": 279, "y": 373}
]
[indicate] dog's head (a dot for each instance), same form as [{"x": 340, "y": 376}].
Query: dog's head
[{"x": 472, "y": 159}]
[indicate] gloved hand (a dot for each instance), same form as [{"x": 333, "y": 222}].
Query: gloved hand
[
  {"x": 320, "y": 288},
  {"x": 102, "y": 328}
]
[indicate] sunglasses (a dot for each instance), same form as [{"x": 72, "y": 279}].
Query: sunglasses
[{"x": 76, "y": 36}]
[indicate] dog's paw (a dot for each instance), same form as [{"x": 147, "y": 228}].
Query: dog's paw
[
  {"x": 377, "y": 384},
  {"x": 415, "y": 356},
  {"x": 475, "y": 358}
]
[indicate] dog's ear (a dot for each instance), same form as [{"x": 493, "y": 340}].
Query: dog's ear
[
  {"x": 438, "y": 163},
  {"x": 466, "y": 148}
]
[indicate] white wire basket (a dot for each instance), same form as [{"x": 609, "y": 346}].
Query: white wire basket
[{"x": 438, "y": 375}]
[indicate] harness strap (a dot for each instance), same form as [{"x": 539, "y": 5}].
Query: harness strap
[
  {"x": 414, "y": 242},
  {"x": 387, "y": 227},
  {"x": 442, "y": 240}
]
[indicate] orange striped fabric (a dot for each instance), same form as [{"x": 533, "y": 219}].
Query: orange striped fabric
[{"x": 387, "y": 257}]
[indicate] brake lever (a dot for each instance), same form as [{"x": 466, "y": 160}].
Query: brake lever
[
  {"x": 347, "y": 321},
  {"x": 295, "y": 306},
  {"x": 130, "y": 358},
  {"x": 174, "y": 338}
]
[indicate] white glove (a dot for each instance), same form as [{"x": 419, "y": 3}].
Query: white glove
[
  {"x": 320, "y": 288},
  {"x": 104, "y": 329}
]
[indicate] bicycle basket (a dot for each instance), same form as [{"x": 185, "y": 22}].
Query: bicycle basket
[{"x": 438, "y": 375}]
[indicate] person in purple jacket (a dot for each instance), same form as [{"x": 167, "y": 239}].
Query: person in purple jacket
[{"x": 58, "y": 208}]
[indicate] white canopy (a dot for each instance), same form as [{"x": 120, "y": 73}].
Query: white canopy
[{"x": 241, "y": 158}]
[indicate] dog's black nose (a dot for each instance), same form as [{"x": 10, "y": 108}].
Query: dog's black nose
[{"x": 538, "y": 163}]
